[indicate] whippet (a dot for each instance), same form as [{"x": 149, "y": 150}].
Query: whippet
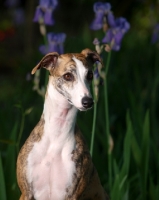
[{"x": 55, "y": 163}]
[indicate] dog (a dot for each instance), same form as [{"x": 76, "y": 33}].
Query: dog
[{"x": 55, "y": 163}]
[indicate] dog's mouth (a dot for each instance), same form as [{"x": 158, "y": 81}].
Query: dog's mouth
[
  {"x": 80, "y": 108},
  {"x": 84, "y": 109}
]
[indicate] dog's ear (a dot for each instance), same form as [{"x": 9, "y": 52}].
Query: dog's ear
[
  {"x": 49, "y": 61},
  {"x": 92, "y": 56}
]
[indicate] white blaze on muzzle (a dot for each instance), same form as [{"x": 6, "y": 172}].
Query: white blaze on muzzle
[{"x": 81, "y": 88}]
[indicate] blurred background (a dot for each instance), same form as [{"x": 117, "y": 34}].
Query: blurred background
[{"x": 133, "y": 91}]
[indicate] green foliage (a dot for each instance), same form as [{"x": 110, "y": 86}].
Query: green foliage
[
  {"x": 2, "y": 182},
  {"x": 10, "y": 165},
  {"x": 131, "y": 170},
  {"x": 120, "y": 189},
  {"x": 134, "y": 159}
]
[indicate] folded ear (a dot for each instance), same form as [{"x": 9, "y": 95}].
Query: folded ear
[
  {"x": 49, "y": 61},
  {"x": 92, "y": 56}
]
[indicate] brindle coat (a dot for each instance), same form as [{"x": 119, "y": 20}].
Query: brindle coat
[{"x": 86, "y": 184}]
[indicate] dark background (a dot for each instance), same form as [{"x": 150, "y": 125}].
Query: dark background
[{"x": 132, "y": 83}]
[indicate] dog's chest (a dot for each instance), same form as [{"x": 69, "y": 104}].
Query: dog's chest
[{"x": 50, "y": 168}]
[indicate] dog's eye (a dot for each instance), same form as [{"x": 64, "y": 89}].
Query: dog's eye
[
  {"x": 68, "y": 77},
  {"x": 89, "y": 76}
]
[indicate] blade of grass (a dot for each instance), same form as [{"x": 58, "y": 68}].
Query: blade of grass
[
  {"x": 153, "y": 190},
  {"x": 127, "y": 145},
  {"x": 10, "y": 166},
  {"x": 2, "y": 182},
  {"x": 94, "y": 122},
  {"x": 136, "y": 150},
  {"x": 121, "y": 184},
  {"x": 145, "y": 153},
  {"x": 107, "y": 120}
]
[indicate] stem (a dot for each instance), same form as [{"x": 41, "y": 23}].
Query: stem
[
  {"x": 107, "y": 119},
  {"x": 45, "y": 40},
  {"x": 108, "y": 63},
  {"x": 94, "y": 121},
  {"x": 46, "y": 73},
  {"x": 106, "y": 112}
]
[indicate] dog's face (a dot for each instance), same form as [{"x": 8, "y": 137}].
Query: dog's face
[
  {"x": 72, "y": 78},
  {"x": 72, "y": 75}
]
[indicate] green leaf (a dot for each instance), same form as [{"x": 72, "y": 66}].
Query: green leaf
[
  {"x": 136, "y": 151},
  {"x": 2, "y": 182},
  {"x": 122, "y": 182},
  {"x": 145, "y": 153},
  {"x": 153, "y": 190},
  {"x": 10, "y": 166},
  {"x": 127, "y": 145}
]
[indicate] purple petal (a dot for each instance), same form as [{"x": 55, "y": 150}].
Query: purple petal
[
  {"x": 50, "y": 37},
  {"x": 57, "y": 38},
  {"x": 38, "y": 14},
  {"x": 44, "y": 3},
  {"x": 101, "y": 10},
  {"x": 122, "y": 24},
  {"x": 53, "y": 48},
  {"x": 44, "y": 49},
  {"x": 48, "y": 3},
  {"x": 48, "y": 18},
  {"x": 108, "y": 37},
  {"x": 98, "y": 21},
  {"x": 118, "y": 37},
  {"x": 102, "y": 7},
  {"x": 117, "y": 41},
  {"x": 114, "y": 38},
  {"x": 61, "y": 37},
  {"x": 111, "y": 19},
  {"x": 55, "y": 43}
]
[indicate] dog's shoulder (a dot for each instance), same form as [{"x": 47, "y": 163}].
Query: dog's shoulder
[
  {"x": 86, "y": 183},
  {"x": 35, "y": 136}
]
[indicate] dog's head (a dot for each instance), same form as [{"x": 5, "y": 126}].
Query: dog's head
[{"x": 72, "y": 74}]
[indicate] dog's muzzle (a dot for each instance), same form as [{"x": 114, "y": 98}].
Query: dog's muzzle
[{"x": 87, "y": 102}]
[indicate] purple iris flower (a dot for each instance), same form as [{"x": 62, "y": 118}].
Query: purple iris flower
[
  {"x": 55, "y": 43},
  {"x": 155, "y": 34},
  {"x": 45, "y": 11},
  {"x": 115, "y": 34},
  {"x": 122, "y": 24},
  {"x": 103, "y": 15}
]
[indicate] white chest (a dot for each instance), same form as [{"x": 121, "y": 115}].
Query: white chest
[{"x": 50, "y": 167}]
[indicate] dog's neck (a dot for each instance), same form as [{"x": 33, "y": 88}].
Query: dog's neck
[{"x": 59, "y": 114}]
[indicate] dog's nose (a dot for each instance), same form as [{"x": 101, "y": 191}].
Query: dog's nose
[{"x": 87, "y": 102}]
